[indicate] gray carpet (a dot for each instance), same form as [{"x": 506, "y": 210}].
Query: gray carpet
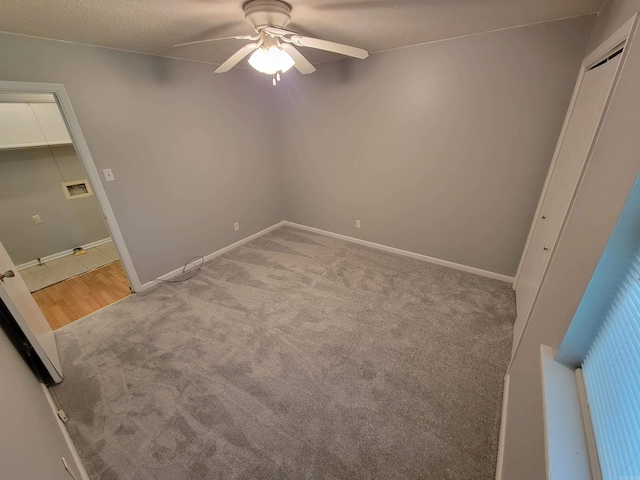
[{"x": 295, "y": 356}]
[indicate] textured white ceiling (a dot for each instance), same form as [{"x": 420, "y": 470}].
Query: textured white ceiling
[{"x": 152, "y": 26}]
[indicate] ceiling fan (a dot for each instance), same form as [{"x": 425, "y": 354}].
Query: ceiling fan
[{"x": 274, "y": 48}]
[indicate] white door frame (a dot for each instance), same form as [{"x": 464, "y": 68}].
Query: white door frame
[
  {"x": 620, "y": 35},
  {"x": 624, "y": 34},
  {"x": 82, "y": 150}
]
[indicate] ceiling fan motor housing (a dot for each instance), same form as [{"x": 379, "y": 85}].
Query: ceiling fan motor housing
[{"x": 267, "y": 13}]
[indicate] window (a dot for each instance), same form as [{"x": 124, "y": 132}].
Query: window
[
  {"x": 611, "y": 373},
  {"x": 604, "y": 338}
]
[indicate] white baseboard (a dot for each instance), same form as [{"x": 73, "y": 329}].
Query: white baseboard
[
  {"x": 406, "y": 253},
  {"x": 503, "y": 428},
  {"x": 75, "y": 457},
  {"x": 418, "y": 256},
  {"x": 53, "y": 256},
  {"x": 211, "y": 256}
]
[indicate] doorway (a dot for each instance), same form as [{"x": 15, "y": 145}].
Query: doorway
[{"x": 73, "y": 261}]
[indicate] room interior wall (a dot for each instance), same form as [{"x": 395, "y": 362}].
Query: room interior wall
[
  {"x": 613, "y": 168},
  {"x": 191, "y": 151},
  {"x": 31, "y": 444},
  {"x": 612, "y": 16},
  {"x": 440, "y": 149},
  {"x": 426, "y": 144},
  {"x": 30, "y": 184}
]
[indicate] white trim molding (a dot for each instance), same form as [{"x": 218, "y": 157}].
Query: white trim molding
[
  {"x": 77, "y": 461},
  {"x": 64, "y": 253},
  {"x": 211, "y": 256},
  {"x": 623, "y": 34},
  {"x": 626, "y": 34},
  {"x": 566, "y": 450},
  {"x": 406, "y": 253},
  {"x": 503, "y": 428}
]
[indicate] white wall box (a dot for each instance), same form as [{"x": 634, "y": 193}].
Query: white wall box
[{"x": 77, "y": 189}]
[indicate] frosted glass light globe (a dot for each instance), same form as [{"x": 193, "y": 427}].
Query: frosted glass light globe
[{"x": 271, "y": 60}]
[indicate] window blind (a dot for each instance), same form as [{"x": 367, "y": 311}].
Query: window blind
[{"x": 611, "y": 372}]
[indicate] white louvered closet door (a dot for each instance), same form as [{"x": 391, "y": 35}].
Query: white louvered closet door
[{"x": 572, "y": 155}]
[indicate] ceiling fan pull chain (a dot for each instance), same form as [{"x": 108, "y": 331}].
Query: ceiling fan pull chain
[{"x": 274, "y": 80}]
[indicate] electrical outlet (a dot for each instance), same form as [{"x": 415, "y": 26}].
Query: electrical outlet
[
  {"x": 36, "y": 219},
  {"x": 236, "y": 226},
  {"x": 357, "y": 223},
  {"x": 108, "y": 175}
]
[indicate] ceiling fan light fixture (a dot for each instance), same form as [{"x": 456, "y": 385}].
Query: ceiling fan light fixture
[{"x": 271, "y": 60}]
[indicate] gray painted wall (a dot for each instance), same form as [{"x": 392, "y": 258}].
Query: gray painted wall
[
  {"x": 191, "y": 151},
  {"x": 30, "y": 184},
  {"x": 440, "y": 149},
  {"x": 613, "y": 168},
  {"x": 611, "y": 17},
  {"x": 31, "y": 445}
]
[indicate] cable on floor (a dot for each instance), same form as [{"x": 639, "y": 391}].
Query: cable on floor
[{"x": 192, "y": 273}]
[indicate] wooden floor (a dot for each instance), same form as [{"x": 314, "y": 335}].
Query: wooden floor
[{"x": 72, "y": 299}]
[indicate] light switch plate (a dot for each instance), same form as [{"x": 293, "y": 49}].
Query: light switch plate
[{"x": 108, "y": 175}]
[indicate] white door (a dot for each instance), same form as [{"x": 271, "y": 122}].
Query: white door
[
  {"x": 579, "y": 136},
  {"x": 24, "y": 309}
]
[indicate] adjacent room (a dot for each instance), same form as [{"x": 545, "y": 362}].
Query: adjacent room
[
  {"x": 317, "y": 239},
  {"x": 52, "y": 226}
]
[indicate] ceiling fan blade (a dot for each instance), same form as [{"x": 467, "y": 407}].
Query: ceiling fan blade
[
  {"x": 369, "y": 4},
  {"x": 347, "y": 50},
  {"x": 234, "y": 59},
  {"x": 302, "y": 64},
  {"x": 278, "y": 32},
  {"x": 238, "y": 37}
]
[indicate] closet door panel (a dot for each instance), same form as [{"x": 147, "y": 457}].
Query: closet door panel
[
  {"x": 577, "y": 144},
  {"x": 573, "y": 153}
]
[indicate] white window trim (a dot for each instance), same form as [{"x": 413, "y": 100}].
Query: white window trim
[
  {"x": 567, "y": 455},
  {"x": 594, "y": 461}
]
